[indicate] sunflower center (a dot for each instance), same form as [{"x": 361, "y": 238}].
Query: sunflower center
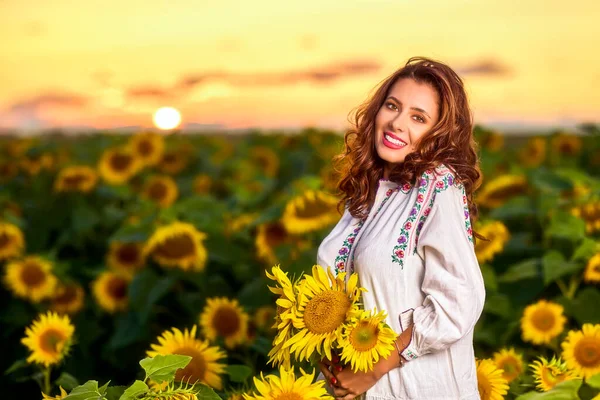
[
  {"x": 66, "y": 296},
  {"x": 4, "y": 240},
  {"x": 226, "y": 321},
  {"x": 74, "y": 181},
  {"x": 364, "y": 336},
  {"x": 326, "y": 311},
  {"x": 175, "y": 247},
  {"x": 32, "y": 274},
  {"x": 289, "y": 396},
  {"x": 120, "y": 162},
  {"x": 128, "y": 254},
  {"x": 543, "y": 319},
  {"x": 117, "y": 288},
  {"x": 51, "y": 341},
  {"x": 276, "y": 234},
  {"x": 157, "y": 191},
  {"x": 567, "y": 147},
  {"x": 552, "y": 376},
  {"x": 587, "y": 352},
  {"x": 170, "y": 158},
  {"x": 195, "y": 370},
  {"x": 145, "y": 147},
  {"x": 313, "y": 209}
]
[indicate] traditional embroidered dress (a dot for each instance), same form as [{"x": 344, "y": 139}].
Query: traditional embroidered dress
[{"x": 414, "y": 253}]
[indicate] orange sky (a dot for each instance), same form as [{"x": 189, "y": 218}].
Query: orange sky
[{"x": 273, "y": 64}]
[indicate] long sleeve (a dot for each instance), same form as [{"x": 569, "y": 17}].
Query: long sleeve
[{"x": 452, "y": 281}]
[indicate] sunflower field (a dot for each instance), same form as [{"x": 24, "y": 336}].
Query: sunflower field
[{"x": 138, "y": 265}]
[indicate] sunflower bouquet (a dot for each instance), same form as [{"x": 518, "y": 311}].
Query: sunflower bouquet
[{"x": 319, "y": 315}]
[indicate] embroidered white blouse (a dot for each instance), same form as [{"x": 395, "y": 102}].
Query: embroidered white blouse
[{"x": 414, "y": 254}]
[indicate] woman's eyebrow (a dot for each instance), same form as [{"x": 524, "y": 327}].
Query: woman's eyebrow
[{"x": 412, "y": 108}]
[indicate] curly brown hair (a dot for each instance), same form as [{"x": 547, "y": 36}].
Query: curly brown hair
[{"x": 450, "y": 141}]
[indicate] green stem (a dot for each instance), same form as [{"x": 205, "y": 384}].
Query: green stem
[
  {"x": 47, "y": 381},
  {"x": 573, "y": 286},
  {"x": 563, "y": 288}
]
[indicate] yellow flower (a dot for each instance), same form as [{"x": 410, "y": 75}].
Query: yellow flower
[
  {"x": 110, "y": 290},
  {"x": 30, "y": 278},
  {"x": 126, "y": 257},
  {"x": 325, "y": 303},
  {"x": 497, "y": 235},
  {"x": 224, "y": 318},
  {"x": 161, "y": 190},
  {"x": 287, "y": 387},
  {"x": 510, "y": 362},
  {"x": 542, "y": 321},
  {"x": 12, "y": 242},
  {"x": 566, "y": 144},
  {"x": 490, "y": 382},
  {"x": 264, "y": 317},
  {"x": 534, "y": 152},
  {"x": 173, "y": 162},
  {"x": 202, "y": 184},
  {"x": 310, "y": 212},
  {"x": 499, "y": 190},
  {"x": 68, "y": 299},
  {"x": 79, "y": 178},
  {"x": 62, "y": 395},
  {"x": 204, "y": 366},
  {"x": 365, "y": 340},
  {"x": 549, "y": 374},
  {"x": 581, "y": 350},
  {"x": 236, "y": 224},
  {"x": 148, "y": 147},
  {"x": 49, "y": 338},
  {"x": 592, "y": 270},
  {"x": 268, "y": 236},
  {"x": 34, "y": 164},
  {"x": 493, "y": 141},
  {"x": 118, "y": 165},
  {"x": 266, "y": 159},
  {"x": 178, "y": 245},
  {"x": 8, "y": 170}
]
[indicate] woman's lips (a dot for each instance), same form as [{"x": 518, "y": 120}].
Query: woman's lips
[{"x": 394, "y": 142}]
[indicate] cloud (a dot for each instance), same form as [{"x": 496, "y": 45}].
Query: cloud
[
  {"x": 486, "y": 68},
  {"x": 50, "y": 99},
  {"x": 321, "y": 75}
]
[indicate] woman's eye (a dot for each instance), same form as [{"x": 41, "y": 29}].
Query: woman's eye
[
  {"x": 391, "y": 106},
  {"x": 420, "y": 119}
]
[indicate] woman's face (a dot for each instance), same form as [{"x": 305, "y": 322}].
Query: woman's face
[{"x": 409, "y": 111}]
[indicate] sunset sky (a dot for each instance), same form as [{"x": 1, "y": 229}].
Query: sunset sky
[{"x": 288, "y": 64}]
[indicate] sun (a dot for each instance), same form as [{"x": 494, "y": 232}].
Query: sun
[{"x": 167, "y": 118}]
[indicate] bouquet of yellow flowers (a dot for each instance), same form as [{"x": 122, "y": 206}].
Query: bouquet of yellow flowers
[{"x": 319, "y": 315}]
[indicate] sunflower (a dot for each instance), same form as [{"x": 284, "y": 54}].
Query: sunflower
[
  {"x": 490, "y": 382},
  {"x": 534, "y": 153},
  {"x": 238, "y": 223},
  {"x": 11, "y": 241},
  {"x": 118, "y": 165},
  {"x": 110, "y": 290},
  {"x": 62, "y": 395},
  {"x": 34, "y": 164},
  {"x": 127, "y": 257},
  {"x": 310, "y": 212},
  {"x": 8, "y": 170},
  {"x": 173, "y": 162},
  {"x": 581, "y": 350},
  {"x": 13, "y": 208},
  {"x": 148, "y": 147},
  {"x": 77, "y": 178},
  {"x": 493, "y": 141},
  {"x": 202, "y": 184},
  {"x": 49, "y": 338},
  {"x": 161, "y": 190},
  {"x": 497, "y": 235},
  {"x": 266, "y": 160},
  {"x": 510, "y": 362},
  {"x": 325, "y": 303},
  {"x": 178, "y": 245},
  {"x": 499, "y": 190},
  {"x": 287, "y": 387},
  {"x": 68, "y": 298},
  {"x": 286, "y": 307},
  {"x": 366, "y": 339},
  {"x": 268, "y": 236},
  {"x": 592, "y": 270},
  {"x": 548, "y": 374},
  {"x": 224, "y": 318},
  {"x": 264, "y": 317},
  {"x": 204, "y": 366},
  {"x": 17, "y": 147},
  {"x": 566, "y": 144},
  {"x": 30, "y": 278},
  {"x": 542, "y": 321}
]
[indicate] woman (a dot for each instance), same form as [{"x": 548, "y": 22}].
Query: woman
[{"x": 411, "y": 169}]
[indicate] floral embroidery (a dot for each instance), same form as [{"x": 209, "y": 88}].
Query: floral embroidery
[
  {"x": 440, "y": 186},
  {"x": 405, "y": 188},
  {"x": 468, "y": 226}
]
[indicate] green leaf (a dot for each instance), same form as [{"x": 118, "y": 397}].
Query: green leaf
[
  {"x": 115, "y": 392},
  {"x": 67, "y": 381},
  {"x": 524, "y": 270},
  {"x": 238, "y": 373},
  {"x": 19, "y": 364},
  {"x": 566, "y": 226},
  {"x": 498, "y": 304},
  {"x": 489, "y": 277},
  {"x": 162, "y": 368},
  {"x": 586, "y": 250},
  {"x": 554, "y": 266},
  {"x": 87, "y": 391},
  {"x": 547, "y": 180},
  {"x": 594, "y": 381},
  {"x": 133, "y": 391},
  {"x": 582, "y": 306},
  {"x": 563, "y": 391},
  {"x": 205, "y": 392},
  {"x": 146, "y": 289}
]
